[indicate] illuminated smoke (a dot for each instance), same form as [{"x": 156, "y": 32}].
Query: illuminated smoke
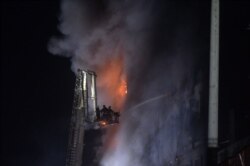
[
  {"x": 159, "y": 130},
  {"x": 96, "y": 34},
  {"x": 144, "y": 44}
]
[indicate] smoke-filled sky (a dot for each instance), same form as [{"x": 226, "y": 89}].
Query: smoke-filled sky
[
  {"x": 124, "y": 39},
  {"x": 160, "y": 48},
  {"x": 157, "y": 49}
]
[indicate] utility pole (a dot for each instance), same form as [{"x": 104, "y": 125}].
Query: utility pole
[{"x": 213, "y": 85}]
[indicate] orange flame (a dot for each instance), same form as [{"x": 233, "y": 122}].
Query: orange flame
[
  {"x": 123, "y": 88},
  {"x": 112, "y": 81},
  {"x": 103, "y": 123}
]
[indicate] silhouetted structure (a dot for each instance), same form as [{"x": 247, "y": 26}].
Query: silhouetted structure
[{"x": 85, "y": 115}]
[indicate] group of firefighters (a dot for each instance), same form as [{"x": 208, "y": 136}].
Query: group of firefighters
[{"x": 107, "y": 114}]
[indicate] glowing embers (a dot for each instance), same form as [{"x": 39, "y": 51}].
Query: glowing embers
[
  {"x": 103, "y": 123},
  {"x": 123, "y": 88}
]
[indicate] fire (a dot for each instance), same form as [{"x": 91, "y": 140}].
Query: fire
[
  {"x": 123, "y": 88},
  {"x": 112, "y": 81},
  {"x": 103, "y": 123}
]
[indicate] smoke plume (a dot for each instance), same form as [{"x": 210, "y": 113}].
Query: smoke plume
[{"x": 153, "y": 46}]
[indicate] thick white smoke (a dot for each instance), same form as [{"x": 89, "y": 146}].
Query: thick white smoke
[
  {"x": 160, "y": 124},
  {"x": 94, "y": 31}
]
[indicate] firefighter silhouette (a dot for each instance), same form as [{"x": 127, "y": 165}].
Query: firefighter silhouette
[
  {"x": 116, "y": 117},
  {"x": 110, "y": 115},
  {"x": 104, "y": 111},
  {"x": 98, "y": 113},
  {"x": 107, "y": 114}
]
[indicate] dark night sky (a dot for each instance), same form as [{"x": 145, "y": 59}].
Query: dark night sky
[{"x": 37, "y": 87}]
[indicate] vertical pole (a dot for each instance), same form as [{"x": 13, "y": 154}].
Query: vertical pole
[
  {"x": 213, "y": 85},
  {"x": 214, "y": 77}
]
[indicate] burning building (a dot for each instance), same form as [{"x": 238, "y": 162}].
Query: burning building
[
  {"x": 165, "y": 63},
  {"x": 127, "y": 46}
]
